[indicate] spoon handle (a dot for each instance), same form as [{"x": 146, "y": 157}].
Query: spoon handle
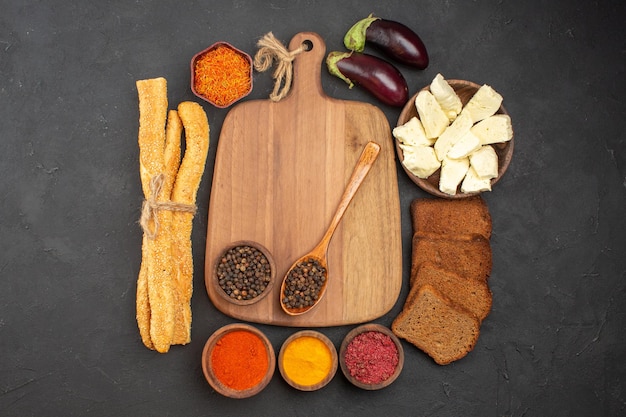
[{"x": 361, "y": 169}]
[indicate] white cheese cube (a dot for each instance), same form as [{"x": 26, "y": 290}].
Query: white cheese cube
[
  {"x": 420, "y": 160},
  {"x": 472, "y": 183},
  {"x": 412, "y": 133},
  {"x": 452, "y": 134},
  {"x": 432, "y": 116},
  {"x": 468, "y": 143},
  {"x": 485, "y": 162},
  {"x": 446, "y": 97},
  {"x": 494, "y": 129},
  {"x": 452, "y": 173},
  {"x": 484, "y": 103}
]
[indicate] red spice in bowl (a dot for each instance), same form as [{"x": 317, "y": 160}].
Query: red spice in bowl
[
  {"x": 221, "y": 74},
  {"x": 238, "y": 361},
  {"x": 371, "y": 357}
]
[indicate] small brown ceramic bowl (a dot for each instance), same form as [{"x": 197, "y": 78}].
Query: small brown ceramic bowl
[
  {"x": 359, "y": 371},
  {"x": 241, "y": 353},
  {"x": 244, "y": 73},
  {"x": 294, "y": 353},
  {"x": 235, "y": 295},
  {"x": 465, "y": 90}
]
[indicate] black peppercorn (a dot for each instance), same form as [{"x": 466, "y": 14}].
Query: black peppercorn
[
  {"x": 243, "y": 272},
  {"x": 303, "y": 284}
]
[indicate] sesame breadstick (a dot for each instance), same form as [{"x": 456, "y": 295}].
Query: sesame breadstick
[
  {"x": 185, "y": 191},
  {"x": 172, "y": 152},
  {"x": 158, "y": 267},
  {"x": 152, "y": 109}
]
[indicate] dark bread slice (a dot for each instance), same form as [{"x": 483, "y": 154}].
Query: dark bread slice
[
  {"x": 463, "y": 216},
  {"x": 469, "y": 256},
  {"x": 473, "y": 295},
  {"x": 435, "y": 325}
]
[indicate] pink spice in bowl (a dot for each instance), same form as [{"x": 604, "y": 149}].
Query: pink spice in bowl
[{"x": 371, "y": 357}]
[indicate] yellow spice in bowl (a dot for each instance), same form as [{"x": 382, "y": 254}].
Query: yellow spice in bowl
[{"x": 307, "y": 361}]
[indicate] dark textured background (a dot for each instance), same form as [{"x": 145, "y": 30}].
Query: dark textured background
[{"x": 70, "y": 195}]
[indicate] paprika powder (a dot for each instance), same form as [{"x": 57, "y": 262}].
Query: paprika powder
[{"x": 239, "y": 360}]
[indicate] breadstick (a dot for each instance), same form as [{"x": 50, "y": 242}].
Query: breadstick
[
  {"x": 185, "y": 191},
  {"x": 172, "y": 162},
  {"x": 156, "y": 251},
  {"x": 152, "y": 108}
]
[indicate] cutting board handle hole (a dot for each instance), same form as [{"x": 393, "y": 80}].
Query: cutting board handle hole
[{"x": 307, "y": 44}]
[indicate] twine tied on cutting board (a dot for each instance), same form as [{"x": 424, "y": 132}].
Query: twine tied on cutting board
[
  {"x": 151, "y": 206},
  {"x": 271, "y": 49}
]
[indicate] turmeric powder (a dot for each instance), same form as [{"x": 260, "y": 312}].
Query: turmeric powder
[{"x": 307, "y": 361}]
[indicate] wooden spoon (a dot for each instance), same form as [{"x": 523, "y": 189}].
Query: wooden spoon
[{"x": 318, "y": 256}]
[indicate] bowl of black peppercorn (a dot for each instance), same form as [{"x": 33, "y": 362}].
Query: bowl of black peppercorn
[{"x": 244, "y": 272}]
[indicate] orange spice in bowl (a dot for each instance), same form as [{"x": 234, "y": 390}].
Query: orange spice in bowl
[
  {"x": 221, "y": 74},
  {"x": 238, "y": 361}
]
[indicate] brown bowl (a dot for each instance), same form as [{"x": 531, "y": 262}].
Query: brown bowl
[
  {"x": 248, "y": 74},
  {"x": 333, "y": 358},
  {"x": 465, "y": 90},
  {"x": 244, "y": 302},
  {"x": 345, "y": 368},
  {"x": 213, "y": 379}
]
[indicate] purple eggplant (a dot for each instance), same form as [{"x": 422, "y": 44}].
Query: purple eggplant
[
  {"x": 392, "y": 38},
  {"x": 376, "y": 75}
]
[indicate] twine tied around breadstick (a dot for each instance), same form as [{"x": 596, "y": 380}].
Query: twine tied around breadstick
[
  {"x": 269, "y": 49},
  {"x": 151, "y": 206}
]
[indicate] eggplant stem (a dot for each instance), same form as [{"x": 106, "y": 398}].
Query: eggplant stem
[
  {"x": 355, "y": 38},
  {"x": 331, "y": 63}
]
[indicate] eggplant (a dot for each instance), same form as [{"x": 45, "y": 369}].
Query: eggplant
[
  {"x": 392, "y": 38},
  {"x": 376, "y": 75}
]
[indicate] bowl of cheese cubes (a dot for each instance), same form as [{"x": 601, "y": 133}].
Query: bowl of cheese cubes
[{"x": 454, "y": 138}]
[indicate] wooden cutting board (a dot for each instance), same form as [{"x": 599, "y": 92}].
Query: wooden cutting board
[{"x": 280, "y": 170}]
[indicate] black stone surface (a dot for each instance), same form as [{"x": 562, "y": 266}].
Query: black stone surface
[{"x": 70, "y": 195}]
